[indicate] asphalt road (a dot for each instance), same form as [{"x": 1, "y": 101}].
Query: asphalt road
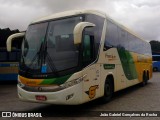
[{"x": 135, "y": 98}]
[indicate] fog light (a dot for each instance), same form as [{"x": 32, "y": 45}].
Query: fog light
[{"x": 69, "y": 96}]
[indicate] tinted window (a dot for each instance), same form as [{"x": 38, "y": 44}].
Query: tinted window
[
  {"x": 18, "y": 55},
  {"x": 87, "y": 49},
  {"x": 111, "y": 38},
  {"x": 156, "y": 58},
  {"x": 12, "y": 56},
  {"x": 62, "y": 53},
  {"x": 3, "y": 56},
  {"x": 122, "y": 38},
  {"x": 60, "y": 39},
  {"x": 97, "y": 30},
  {"x": 148, "y": 49},
  {"x": 142, "y": 47},
  {"x": 132, "y": 43},
  {"x": 137, "y": 45}
]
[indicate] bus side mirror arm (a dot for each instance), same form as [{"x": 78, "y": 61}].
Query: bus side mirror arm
[
  {"x": 78, "y": 30},
  {"x": 11, "y": 38}
]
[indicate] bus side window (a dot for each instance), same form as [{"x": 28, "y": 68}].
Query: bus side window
[
  {"x": 18, "y": 55},
  {"x": 3, "y": 56},
  {"x": 111, "y": 37},
  {"x": 88, "y": 49},
  {"x": 12, "y": 56}
]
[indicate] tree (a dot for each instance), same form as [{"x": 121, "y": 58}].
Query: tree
[{"x": 155, "y": 46}]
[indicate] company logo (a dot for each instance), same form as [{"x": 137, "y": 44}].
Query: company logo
[
  {"x": 6, "y": 114},
  {"x": 92, "y": 91},
  {"x": 110, "y": 57},
  {"x": 20, "y": 115}
]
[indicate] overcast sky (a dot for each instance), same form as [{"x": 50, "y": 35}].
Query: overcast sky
[{"x": 141, "y": 16}]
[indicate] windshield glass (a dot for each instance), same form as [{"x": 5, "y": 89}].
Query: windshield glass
[
  {"x": 49, "y": 47},
  {"x": 31, "y": 45},
  {"x": 60, "y": 44}
]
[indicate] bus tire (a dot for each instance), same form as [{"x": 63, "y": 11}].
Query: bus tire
[
  {"x": 155, "y": 69},
  {"x": 108, "y": 91},
  {"x": 144, "y": 82},
  {"x": 147, "y": 77}
]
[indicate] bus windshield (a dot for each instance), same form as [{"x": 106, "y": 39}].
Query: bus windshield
[{"x": 49, "y": 47}]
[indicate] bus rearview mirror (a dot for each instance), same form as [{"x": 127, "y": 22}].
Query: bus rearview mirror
[
  {"x": 11, "y": 38},
  {"x": 78, "y": 30}
]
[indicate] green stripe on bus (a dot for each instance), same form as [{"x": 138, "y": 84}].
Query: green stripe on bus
[
  {"x": 127, "y": 64},
  {"x": 57, "y": 81}
]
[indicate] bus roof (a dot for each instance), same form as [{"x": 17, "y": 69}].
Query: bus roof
[{"x": 69, "y": 13}]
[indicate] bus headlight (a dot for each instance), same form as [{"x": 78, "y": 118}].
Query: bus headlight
[
  {"x": 20, "y": 84},
  {"x": 72, "y": 82}
]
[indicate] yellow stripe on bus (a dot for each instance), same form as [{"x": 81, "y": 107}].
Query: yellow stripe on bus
[
  {"x": 30, "y": 82},
  {"x": 8, "y": 70}
]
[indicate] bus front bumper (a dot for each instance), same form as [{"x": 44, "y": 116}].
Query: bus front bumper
[{"x": 68, "y": 96}]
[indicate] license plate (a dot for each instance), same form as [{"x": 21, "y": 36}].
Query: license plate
[{"x": 41, "y": 97}]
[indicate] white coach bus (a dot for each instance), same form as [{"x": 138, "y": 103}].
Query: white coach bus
[{"x": 77, "y": 56}]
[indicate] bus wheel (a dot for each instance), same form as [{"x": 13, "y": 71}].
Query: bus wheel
[
  {"x": 155, "y": 69},
  {"x": 108, "y": 91},
  {"x": 144, "y": 82},
  {"x": 147, "y": 78}
]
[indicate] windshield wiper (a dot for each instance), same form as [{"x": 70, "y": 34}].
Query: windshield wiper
[
  {"x": 49, "y": 60},
  {"x": 35, "y": 57},
  {"x": 41, "y": 56},
  {"x": 51, "y": 64},
  {"x": 23, "y": 63}
]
